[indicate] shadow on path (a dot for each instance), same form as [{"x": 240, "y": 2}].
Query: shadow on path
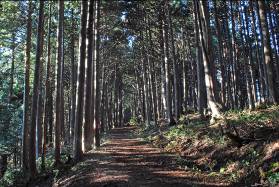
[{"x": 127, "y": 161}]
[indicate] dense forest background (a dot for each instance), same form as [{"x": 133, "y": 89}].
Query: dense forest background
[{"x": 70, "y": 71}]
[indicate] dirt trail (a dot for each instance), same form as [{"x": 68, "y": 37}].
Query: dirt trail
[{"x": 126, "y": 160}]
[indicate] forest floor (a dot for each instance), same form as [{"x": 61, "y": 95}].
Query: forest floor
[{"x": 127, "y": 160}]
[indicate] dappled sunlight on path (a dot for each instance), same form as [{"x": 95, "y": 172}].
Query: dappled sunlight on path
[{"x": 126, "y": 160}]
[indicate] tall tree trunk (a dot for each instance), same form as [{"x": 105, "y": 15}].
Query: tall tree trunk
[
  {"x": 220, "y": 54},
  {"x": 62, "y": 95},
  {"x": 59, "y": 78},
  {"x": 36, "y": 82},
  {"x": 166, "y": 64},
  {"x": 26, "y": 102},
  {"x": 250, "y": 72},
  {"x": 202, "y": 100},
  {"x": 80, "y": 86},
  {"x": 267, "y": 52},
  {"x": 177, "y": 103},
  {"x": 261, "y": 83},
  {"x": 11, "y": 84},
  {"x": 205, "y": 45},
  {"x": 88, "y": 127},
  {"x": 73, "y": 78},
  {"x": 47, "y": 92},
  {"x": 145, "y": 87},
  {"x": 152, "y": 77},
  {"x": 234, "y": 58},
  {"x": 97, "y": 72},
  {"x": 39, "y": 127}
]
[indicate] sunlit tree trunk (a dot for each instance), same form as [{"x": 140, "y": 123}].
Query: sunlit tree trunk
[
  {"x": 166, "y": 64},
  {"x": 97, "y": 76},
  {"x": 162, "y": 68},
  {"x": 88, "y": 127}
]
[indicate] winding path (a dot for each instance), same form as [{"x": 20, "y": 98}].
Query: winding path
[{"x": 127, "y": 161}]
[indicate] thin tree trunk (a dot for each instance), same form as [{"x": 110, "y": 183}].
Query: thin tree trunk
[
  {"x": 97, "y": 71},
  {"x": 167, "y": 65}
]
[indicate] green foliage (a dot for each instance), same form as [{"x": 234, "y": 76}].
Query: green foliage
[
  {"x": 49, "y": 161},
  {"x": 251, "y": 157},
  {"x": 222, "y": 170},
  {"x": 244, "y": 117},
  {"x": 10, "y": 127},
  {"x": 179, "y": 131},
  {"x": 133, "y": 121},
  {"x": 218, "y": 139},
  {"x": 197, "y": 123},
  {"x": 182, "y": 119},
  {"x": 272, "y": 176},
  {"x": 10, "y": 177},
  {"x": 259, "y": 116}
]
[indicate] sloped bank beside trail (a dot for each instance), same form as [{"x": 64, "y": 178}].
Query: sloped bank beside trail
[{"x": 202, "y": 149}]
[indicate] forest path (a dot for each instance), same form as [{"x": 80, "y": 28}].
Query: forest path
[{"x": 124, "y": 161}]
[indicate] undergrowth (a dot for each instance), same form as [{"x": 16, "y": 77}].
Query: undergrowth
[{"x": 15, "y": 176}]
